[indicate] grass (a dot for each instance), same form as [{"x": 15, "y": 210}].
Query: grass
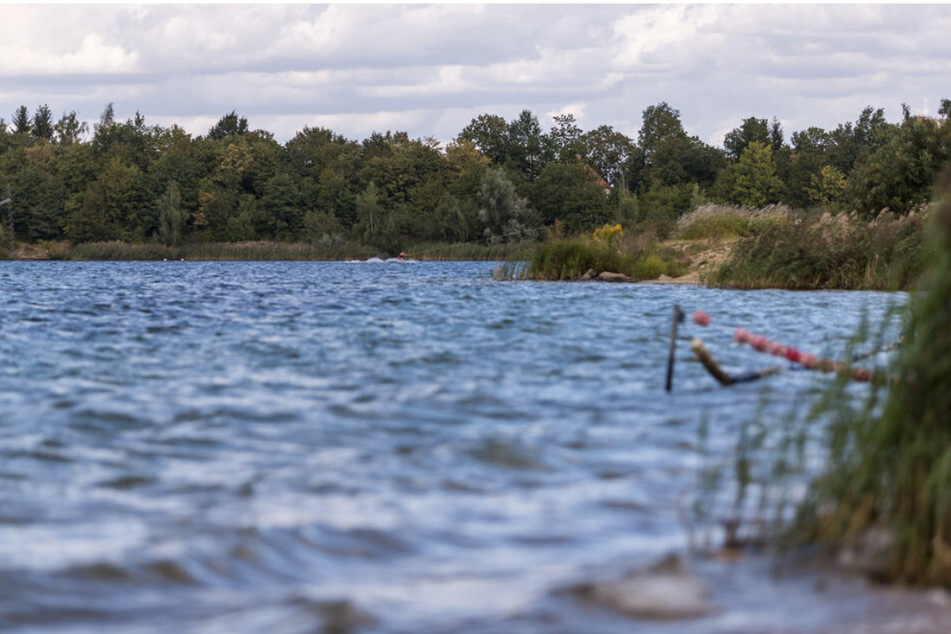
[
  {"x": 568, "y": 259},
  {"x": 867, "y": 471},
  {"x": 827, "y": 253},
  {"x": 470, "y": 251},
  {"x": 889, "y": 470},
  {"x": 724, "y": 221},
  {"x": 265, "y": 251}
]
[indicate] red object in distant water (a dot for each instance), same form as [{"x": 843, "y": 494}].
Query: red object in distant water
[{"x": 701, "y": 318}]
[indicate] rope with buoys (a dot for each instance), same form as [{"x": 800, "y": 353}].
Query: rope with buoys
[{"x": 760, "y": 343}]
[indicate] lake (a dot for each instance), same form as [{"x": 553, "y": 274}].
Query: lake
[{"x": 374, "y": 447}]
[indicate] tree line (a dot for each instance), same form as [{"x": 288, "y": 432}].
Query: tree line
[{"x": 496, "y": 181}]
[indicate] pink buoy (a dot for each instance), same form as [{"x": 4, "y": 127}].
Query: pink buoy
[
  {"x": 701, "y": 318},
  {"x": 776, "y": 349}
]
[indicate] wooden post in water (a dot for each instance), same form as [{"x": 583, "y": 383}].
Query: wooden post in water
[{"x": 678, "y": 317}]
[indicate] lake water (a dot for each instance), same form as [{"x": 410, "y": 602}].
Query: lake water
[{"x": 375, "y": 447}]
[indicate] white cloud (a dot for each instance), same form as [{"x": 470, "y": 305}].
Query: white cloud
[{"x": 430, "y": 69}]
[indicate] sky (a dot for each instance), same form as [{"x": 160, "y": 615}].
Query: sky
[{"x": 429, "y": 70}]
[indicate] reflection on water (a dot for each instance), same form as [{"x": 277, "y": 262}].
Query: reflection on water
[{"x": 381, "y": 447}]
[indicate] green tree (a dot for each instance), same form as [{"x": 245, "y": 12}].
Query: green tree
[
  {"x": 109, "y": 206},
  {"x": 752, "y": 181},
  {"x": 611, "y": 154},
  {"x": 752, "y": 129},
  {"x": 229, "y": 125},
  {"x": 38, "y": 192},
  {"x": 851, "y": 143},
  {"x": 944, "y": 111},
  {"x": 564, "y": 140},
  {"x": 670, "y": 156},
  {"x": 659, "y": 123},
  {"x": 43, "y": 123},
  {"x": 465, "y": 166},
  {"x": 69, "y": 129},
  {"x": 525, "y": 145},
  {"x": 22, "y": 124},
  {"x": 374, "y": 224},
  {"x": 334, "y": 197},
  {"x": 574, "y": 194},
  {"x": 171, "y": 215},
  {"x": 503, "y": 213},
  {"x": 283, "y": 208},
  {"x": 900, "y": 174},
  {"x": 489, "y": 134},
  {"x": 828, "y": 188},
  {"x": 809, "y": 154}
]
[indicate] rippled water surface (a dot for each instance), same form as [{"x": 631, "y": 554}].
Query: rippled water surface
[{"x": 415, "y": 447}]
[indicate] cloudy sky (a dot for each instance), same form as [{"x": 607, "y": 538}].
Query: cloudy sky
[{"x": 430, "y": 69}]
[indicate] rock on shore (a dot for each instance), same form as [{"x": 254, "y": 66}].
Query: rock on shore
[{"x": 666, "y": 590}]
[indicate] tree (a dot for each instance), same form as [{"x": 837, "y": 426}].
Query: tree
[
  {"x": 110, "y": 206},
  {"x": 659, "y": 123},
  {"x": 752, "y": 129},
  {"x": 564, "y": 139},
  {"x": 228, "y": 125},
  {"x": 283, "y": 208},
  {"x": 574, "y": 194},
  {"x": 899, "y": 174},
  {"x": 752, "y": 181},
  {"x": 372, "y": 218},
  {"x": 43, "y": 123},
  {"x": 611, "y": 154},
  {"x": 828, "y": 188},
  {"x": 171, "y": 215},
  {"x": 22, "y": 124},
  {"x": 489, "y": 134},
  {"x": 502, "y": 212},
  {"x": 945, "y": 110},
  {"x": 108, "y": 116},
  {"x": 525, "y": 145},
  {"x": 69, "y": 129},
  {"x": 808, "y": 155},
  {"x": 465, "y": 167}
]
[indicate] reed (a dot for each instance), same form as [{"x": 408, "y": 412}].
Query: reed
[
  {"x": 889, "y": 470},
  {"x": 828, "y": 252},
  {"x": 867, "y": 470},
  {"x": 570, "y": 259},
  {"x": 470, "y": 251},
  {"x": 726, "y": 221},
  {"x": 250, "y": 251}
]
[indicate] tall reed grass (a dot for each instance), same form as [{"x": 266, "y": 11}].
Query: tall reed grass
[
  {"x": 727, "y": 221},
  {"x": 889, "y": 470},
  {"x": 867, "y": 470},
  {"x": 265, "y": 251},
  {"x": 827, "y": 253},
  {"x": 290, "y": 251},
  {"x": 570, "y": 259}
]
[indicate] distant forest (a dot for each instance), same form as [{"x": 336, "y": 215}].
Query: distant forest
[{"x": 498, "y": 181}]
